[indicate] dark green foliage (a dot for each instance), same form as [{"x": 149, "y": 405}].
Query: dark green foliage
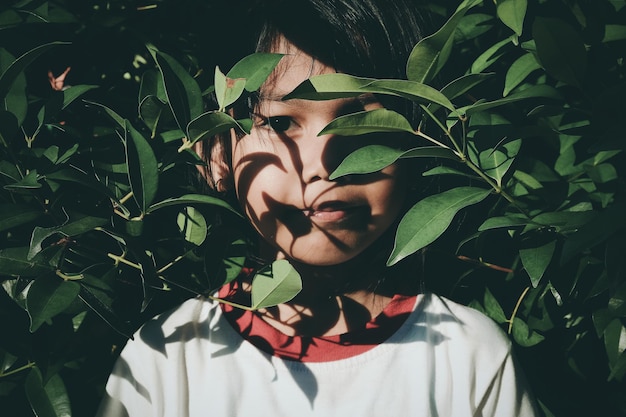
[{"x": 101, "y": 225}]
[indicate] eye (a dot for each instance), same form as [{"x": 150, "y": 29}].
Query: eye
[{"x": 278, "y": 124}]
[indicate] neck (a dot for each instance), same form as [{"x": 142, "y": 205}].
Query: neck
[{"x": 335, "y": 300}]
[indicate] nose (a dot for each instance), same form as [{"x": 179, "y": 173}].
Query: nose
[{"x": 313, "y": 156}]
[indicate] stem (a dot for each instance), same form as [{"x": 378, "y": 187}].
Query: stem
[
  {"x": 428, "y": 138},
  {"x": 66, "y": 277},
  {"x": 443, "y": 129},
  {"x": 126, "y": 197},
  {"x": 230, "y": 303},
  {"x": 517, "y": 306},
  {"x": 178, "y": 258},
  {"x": 20, "y": 369},
  {"x": 123, "y": 260}
]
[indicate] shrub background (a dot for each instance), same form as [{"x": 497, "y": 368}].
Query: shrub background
[{"x": 87, "y": 254}]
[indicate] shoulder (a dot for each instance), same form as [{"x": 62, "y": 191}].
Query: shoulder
[
  {"x": 192, "y": 318},
  {"x": 463, "y": 326}
]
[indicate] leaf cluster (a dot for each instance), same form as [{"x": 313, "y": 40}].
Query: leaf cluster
[{"x": 101, "y": 226}]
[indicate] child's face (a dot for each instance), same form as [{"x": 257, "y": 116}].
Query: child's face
[{"x": 281, "y": 174}]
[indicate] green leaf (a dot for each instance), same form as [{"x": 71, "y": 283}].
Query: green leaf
[
  {"x": 72, "y": 228},
  {"x": 373, "y": 158},
  {"x": 463, "y": 84},
  {"x": 192, "y": 225},
  {"x": 49, "y": 400},
  {"x": 72, "y": 93},
  {"x": 429, "y": 218},
  {"x": 536, "y": 260},
  {"x": 16, "y": 100},
  {"x": 561, "y": 50},
  {"x": 614, "y": 33},
  {"x": 209, "y": 124},
  {"x": 13, "y": 215},
  {"x": 431, "y": 53},
  {"x": 15, "y": 69},
  {"x": 493, "y": 308},
  {"x": 143, "y": 172},
  {"x": 47, "y": 297},
  {"x": 14, "y": 261},
  {"x": 192, "y": 199},
  {"x": 328, "y": 87},
  {"x": 512, "y": 13},
  {"x": 152, "y": 111},
  {"x": 8, "y": 129},
  {"x": 496, "y": 162},
  {"x": 508, "y": 221},
  {"x": 276, "y": 284},
  {"x": 537, "y": 91},
  {"x": 490, "y": 55},
  {"x": 227, "y": 90},
  {"x": 523, "y": 335},
  {"x": 360, "y": 123},
  {"x": 518, "y": 71},
  {"x": 183, "y": 93},
  {"x": 29, "y": 182},
  {"x": 112, "y": 114},
  {"x": 255, "y": 69},
  {"x": 597, "y": 230},
  {"x": 412, "y": 90}
]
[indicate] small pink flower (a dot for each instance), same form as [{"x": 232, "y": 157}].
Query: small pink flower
[{"x": 58, "y": 83}]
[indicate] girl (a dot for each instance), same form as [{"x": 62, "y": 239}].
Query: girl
[{"x": 360, "y": 339}]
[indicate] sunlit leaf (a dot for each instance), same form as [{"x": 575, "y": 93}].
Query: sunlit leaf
[
  {"x": 276, "y": 284},
  {"x": 536, "y": 260},
  {"x": 227, "y": 90},
  {"x": 415, "y": 91},
  {"x": 47, "y": 297},
  {"x": 561, "y": 50},
  {"x": 255, "y": 69},
  {"x": 518, "y": 71},
  {"x": 372, "y": 158},
  {"x": 192, "y": 225},
  {"x": 360, "y": 123},
  {"x": 512, "y": 13},
  {"x": 429, "y": 218},
  {"x": 329, "y": 86}
]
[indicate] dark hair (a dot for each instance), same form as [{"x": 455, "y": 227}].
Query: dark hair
[{"x": 368, "y": 38}]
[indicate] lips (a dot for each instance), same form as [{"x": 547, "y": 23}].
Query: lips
[{"x": 333, "y": 212}]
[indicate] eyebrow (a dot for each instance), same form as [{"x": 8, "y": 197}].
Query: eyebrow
[{"x": 363, "y": 99}]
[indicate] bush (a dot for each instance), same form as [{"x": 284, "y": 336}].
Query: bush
[{"x": 102, "y": 226}]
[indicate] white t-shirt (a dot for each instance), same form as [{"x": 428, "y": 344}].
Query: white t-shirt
[{"x": 444, "y": 360}]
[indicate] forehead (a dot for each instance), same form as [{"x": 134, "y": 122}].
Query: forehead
[{"x": 295, "y": 67}]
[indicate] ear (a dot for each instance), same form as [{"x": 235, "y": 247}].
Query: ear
[{"x": 216, "y": 171}]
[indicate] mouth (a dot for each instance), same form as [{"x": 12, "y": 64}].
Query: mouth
[{"x": 334, "y": 212}]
